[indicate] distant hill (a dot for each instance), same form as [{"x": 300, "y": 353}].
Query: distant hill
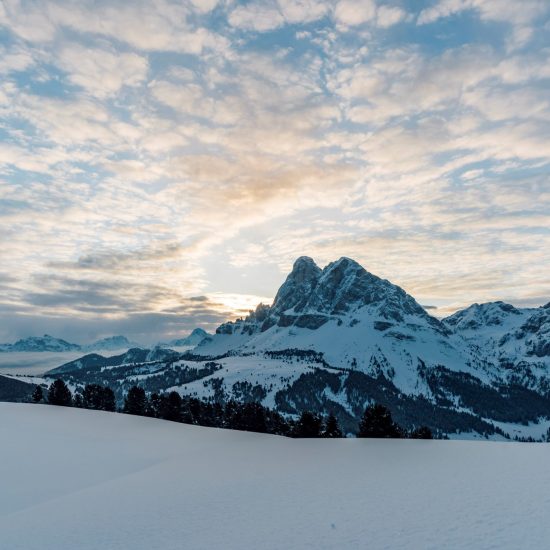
[
  {"x": 12, "y": 389},
  {"x": 94, "y": 361}
]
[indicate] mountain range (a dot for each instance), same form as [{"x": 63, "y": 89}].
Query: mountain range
[
  {"x": 110, "y": 343},
  {"x": 338, "y": 338}
]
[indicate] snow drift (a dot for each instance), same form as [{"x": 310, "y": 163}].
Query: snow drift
[{"x": 78, "y": 479}]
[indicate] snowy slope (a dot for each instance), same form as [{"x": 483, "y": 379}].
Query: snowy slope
[
  {"x": 104, "y": 480},
  {"x": 515, "y": 339}
]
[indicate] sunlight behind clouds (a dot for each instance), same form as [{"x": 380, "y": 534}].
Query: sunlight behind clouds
[{"x": 141, "y": 141}]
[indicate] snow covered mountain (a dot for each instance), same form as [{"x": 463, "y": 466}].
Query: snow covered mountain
[
  {"x": 40, "y": 343},
  {"x": 50, "y": 343},
  {"x": 196, "y": 338},
  {"x": 338, "y": 338},
  {"x": 517, "y": 340},
  {"x": 351, "y": 316},
  {"x": 111, "y": 343}
]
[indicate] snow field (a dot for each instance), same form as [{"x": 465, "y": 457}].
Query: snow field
[{"x": 77, "y": 479}]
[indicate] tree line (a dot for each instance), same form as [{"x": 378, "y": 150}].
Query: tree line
[{"x": 376, "y": 422}]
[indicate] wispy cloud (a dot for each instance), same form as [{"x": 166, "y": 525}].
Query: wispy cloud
[{"x": 148, "y": 147}]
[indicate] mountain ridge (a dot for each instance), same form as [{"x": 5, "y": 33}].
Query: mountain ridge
[{"x": 338, "y": 338}]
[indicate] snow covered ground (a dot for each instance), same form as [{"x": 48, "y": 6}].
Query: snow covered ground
[{"x": 79, "y": 480}]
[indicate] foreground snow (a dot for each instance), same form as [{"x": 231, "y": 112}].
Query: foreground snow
[{"x": 76, "y": 479}]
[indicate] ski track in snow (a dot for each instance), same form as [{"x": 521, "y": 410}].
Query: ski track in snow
[{"x": 88, "y": 480}]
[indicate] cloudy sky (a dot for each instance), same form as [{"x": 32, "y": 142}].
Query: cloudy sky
[{"x": 163, "y": 163}]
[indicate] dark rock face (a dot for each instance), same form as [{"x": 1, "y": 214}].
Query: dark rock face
[
  {"x": 537, "y": 330},
  {"x": 226, "y": 328},
  {"x": 345, "y": 286},
  {"x": 382, "y": 325},
  {"x": 311, "y": 321},
  {"x": 310, "y": 297},
  {"x": 299, "y": 284}
]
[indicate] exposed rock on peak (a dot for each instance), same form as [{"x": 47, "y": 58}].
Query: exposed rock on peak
[
  {"x": 477, "y": 315},
  {"x": 310, "y": 297},
  {"x": 298, "y": 286}
]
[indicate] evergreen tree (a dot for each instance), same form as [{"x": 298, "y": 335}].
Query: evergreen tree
[
  {"x": 332, "y": 429},
  {"x": 59, "y": 394},
  {"x": 252, "y": 418},
  {"x": 37, "y": 394},
  {"x": 231, "y": 414},
  {"x": 377, "y": 422},
  {"x": 276, "y": 424},
  {"x": 98, "y": 398},
  {"x": 171, "y": 407},
  {"x": 109, "y": 401},
  {"x": 194, "y": 410},
  {"x": 92, "y": 396},
  {"x": 135, "y": 401},
  {"x": 154, "y": 405},
  {"x": 421, "y": 433},
  {"x": 309, "y": 425}
]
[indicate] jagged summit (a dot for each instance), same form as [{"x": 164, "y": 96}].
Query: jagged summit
[
  {"x": 196, "y": 337},
  {"x": 477, "y": 315},
  {"x": 341, "y": 287},
  {"x": 310, "y": 297},
  {"x": 299, "y": 284}
]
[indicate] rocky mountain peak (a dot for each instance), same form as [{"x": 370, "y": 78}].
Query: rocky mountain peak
[
  {"x": 298, "y": 285},
  {"x": 310, "y": 297},
  {"x": 476, "y": 315}
]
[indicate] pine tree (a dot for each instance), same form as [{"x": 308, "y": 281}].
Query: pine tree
[
  {"x": 154, "y": 406},
  {"x": 252, "y": 418},
  {"x": 276, "y": 424},
  {"x": 135, "y": 401},
  {"x": 37, "y": 394},
  {"x": 309, "y": 425},
  {"x": 109, "y": 401},
  {"x": 171, "y": 407},
  {"x": 421, "y": 433},
  {"x": 59, "y": 394},
  {"x": 377, "y": 422},
  {"x": 92, "y": 396},
  {"x": 332, "y": 429},
  {"x": 98, "y": 397}
]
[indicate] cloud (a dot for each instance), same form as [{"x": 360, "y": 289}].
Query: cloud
[
  {"x": 303, "y": 11},
  {"x": 256, "y": 17},
  {"x": 492, "y": 10},
  {"x": 155, "y": 153},
  {"x": 269, "y": 15},
  {"x": 156, "y": 26},
  {"x": 101, "y": 72},
  {"x": 387, "y": 16},
  {"x": 354, "y": 12}
]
